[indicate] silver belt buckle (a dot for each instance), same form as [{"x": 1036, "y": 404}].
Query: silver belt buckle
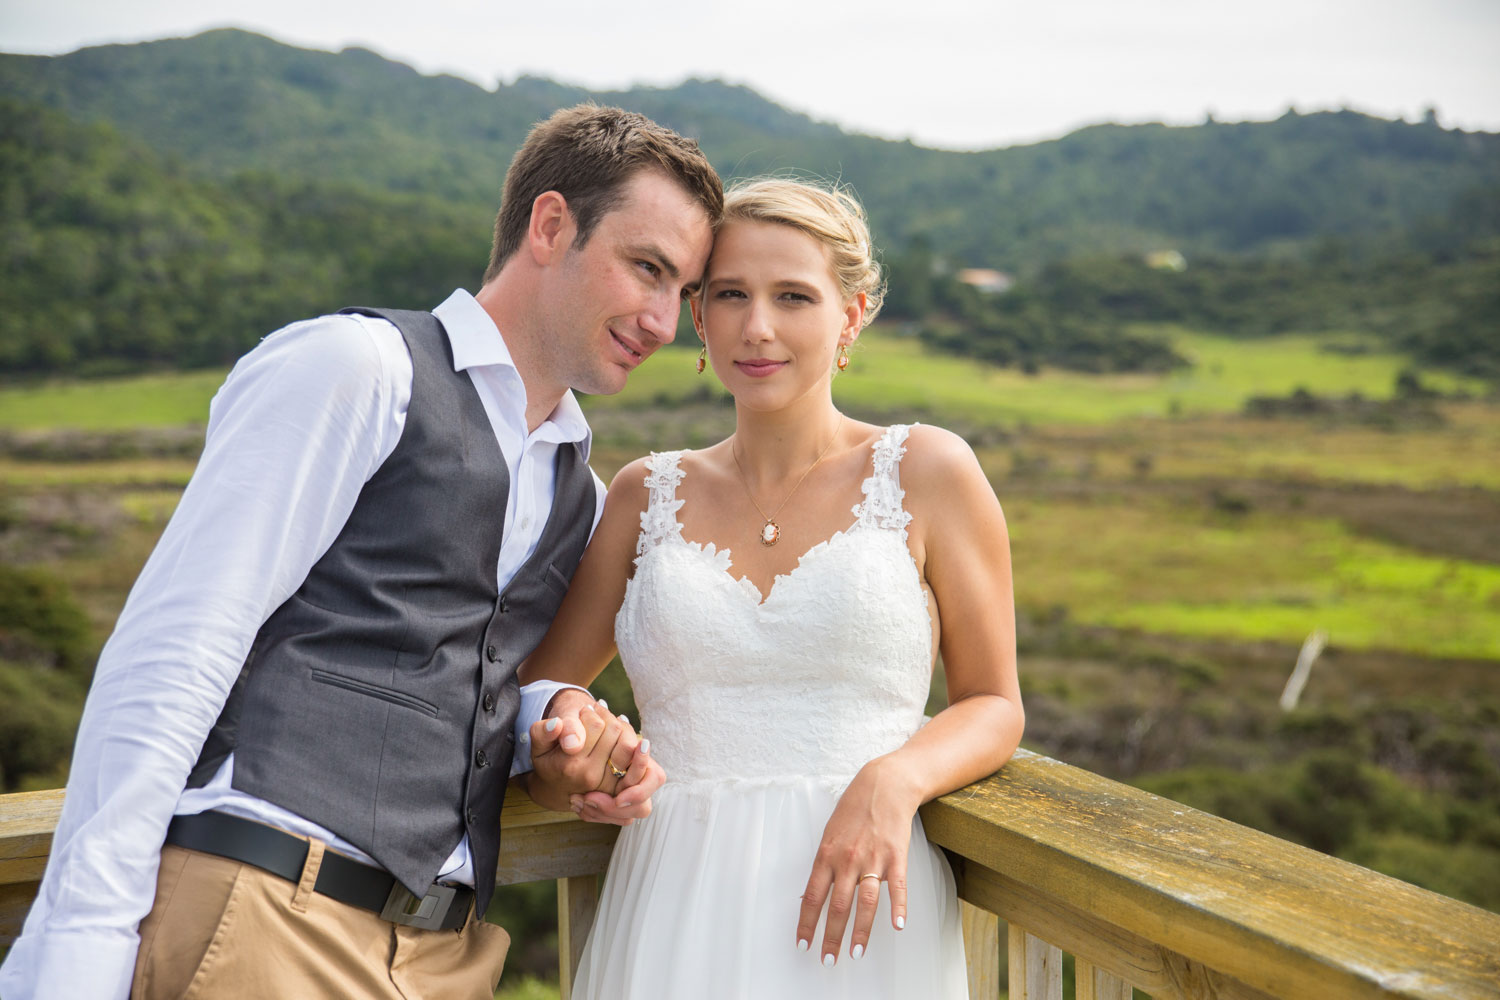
[{"x": 423, "y": 912}]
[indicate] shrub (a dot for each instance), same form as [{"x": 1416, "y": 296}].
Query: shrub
[{"x": 41, "y": 623}]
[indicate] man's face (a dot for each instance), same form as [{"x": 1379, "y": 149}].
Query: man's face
[{"x": 615, "y": 300}]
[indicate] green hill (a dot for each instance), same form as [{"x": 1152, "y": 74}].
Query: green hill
[
  {"x": 167, "y": 203},
  {"x": 116, "y": 259},
  {"x": 227, "y": 101}
]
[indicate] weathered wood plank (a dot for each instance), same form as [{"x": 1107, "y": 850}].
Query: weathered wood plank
[
  {"x": 981, "y": 929},
  {"x": 1035, "y": 967},
  {"x": 1092, "y": 938},
  {"x": 1281, "y": 918},
  {"x": 27, "y": 820},
  {"x": 530, "y": 854},
  {"x": 577, "y": 903},
  {"x": 538, "y": 843}
]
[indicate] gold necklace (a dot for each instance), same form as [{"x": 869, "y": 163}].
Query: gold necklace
[{"x": 771, "y": 531}]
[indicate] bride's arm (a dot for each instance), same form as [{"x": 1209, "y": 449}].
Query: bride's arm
[
  {"x": 581, "y": 640},
  {"x": 571, "y": 754},
  {"x": 962, "y": 549}
]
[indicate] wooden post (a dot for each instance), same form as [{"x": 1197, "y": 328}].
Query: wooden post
[
  {"x": 1035, "y": 967},
  {"x": 1298, "y": 680},
  {"x": 1093, "y": 983},
  {"x": 981, "y": 950},
  {"x": 577, "y": 902}
]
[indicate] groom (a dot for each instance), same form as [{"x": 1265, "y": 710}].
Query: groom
[{"x": 310, "y": 695}]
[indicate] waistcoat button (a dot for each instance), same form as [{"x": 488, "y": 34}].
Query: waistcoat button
[
  {"x": 492, "y": 653},
  {"x": 489, "y": 702},
  {"x": 503, "y": 606},
  {"x": 480, "y": 760},
  {"x": 471, "y": 817}
]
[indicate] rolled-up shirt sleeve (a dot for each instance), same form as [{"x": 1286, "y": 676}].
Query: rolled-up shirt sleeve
[{"x": 298, "y": 427}]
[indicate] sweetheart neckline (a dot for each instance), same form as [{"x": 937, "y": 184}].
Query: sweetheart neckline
[{"x": 746, "y": 586}]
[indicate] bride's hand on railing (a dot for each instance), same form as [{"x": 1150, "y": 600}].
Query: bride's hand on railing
[{"x": 864, "y": 844}]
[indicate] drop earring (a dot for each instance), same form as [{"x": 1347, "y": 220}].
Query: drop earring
[
  {"x": 843, "y": 358},
  {"x": 703, "y": 359}
]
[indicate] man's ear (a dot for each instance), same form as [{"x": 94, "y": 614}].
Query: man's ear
[{"x": 551, "y": 229}]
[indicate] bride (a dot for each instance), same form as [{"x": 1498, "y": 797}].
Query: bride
[{"x": 782, "y": 597}]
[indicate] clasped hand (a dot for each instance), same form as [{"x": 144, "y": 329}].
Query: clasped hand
[
  {"x": 864, "y": 844},
  {"x": 593, "y": 762}
]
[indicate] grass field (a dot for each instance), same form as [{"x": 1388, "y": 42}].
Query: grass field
[
  {"x": 167, "y": 400},
  {"x": 1463, "y": 451},
  {"x": 1104, "y": 479},
  {"x": 1165, "y": 568},
  {"x": 890, "y": 372}
]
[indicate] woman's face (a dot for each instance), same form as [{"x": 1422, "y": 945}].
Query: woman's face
[{"x": 772, "y": 314}]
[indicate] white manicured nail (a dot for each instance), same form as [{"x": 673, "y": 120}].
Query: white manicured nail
[
  {"x": 859, "y": 951},
  {"x": 828, "y": 961},
  {"x": 623, "y": 719},
  {"x": 603, "y": 703},
  {"x": 900, "y": 923},
  {"x": 645, "y": 746},
  {"x": 551, "y": 726},
  {"x": 803, "y": 945}
]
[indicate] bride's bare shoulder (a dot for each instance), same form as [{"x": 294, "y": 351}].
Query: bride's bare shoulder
[{"x": 940, "y": 470}]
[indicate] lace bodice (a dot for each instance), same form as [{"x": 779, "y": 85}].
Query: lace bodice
[{"x": 829, "y": 670}]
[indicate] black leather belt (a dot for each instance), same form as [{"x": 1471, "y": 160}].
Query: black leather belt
[{"x": 444, "y": 907}]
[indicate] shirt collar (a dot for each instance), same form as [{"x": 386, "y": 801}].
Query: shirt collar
[{"x": 476, "y": 343}]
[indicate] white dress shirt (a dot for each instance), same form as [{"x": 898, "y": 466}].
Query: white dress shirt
[{"x": 297, "y": 429}]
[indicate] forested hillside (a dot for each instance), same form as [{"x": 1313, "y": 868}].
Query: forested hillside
[
  {"x": 116, "y": 258},
  {"x": 170, "y": 202},
  {"x": 227, "y": 100}
]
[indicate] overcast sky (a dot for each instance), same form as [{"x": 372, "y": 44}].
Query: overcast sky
[{"x": 953, "y": 73}]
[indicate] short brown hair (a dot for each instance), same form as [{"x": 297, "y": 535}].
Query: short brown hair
[{"x": 587, "y": 154}]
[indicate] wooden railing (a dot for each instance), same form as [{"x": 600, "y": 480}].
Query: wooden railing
[{"x": 1142, "y": 891}]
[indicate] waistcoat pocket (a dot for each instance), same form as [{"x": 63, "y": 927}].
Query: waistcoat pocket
[{"x": 374, "y": 691}]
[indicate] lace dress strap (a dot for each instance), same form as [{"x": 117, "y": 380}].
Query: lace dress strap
[
  {"x": 659, "y": 520},
  {"x": 881, "y": 508}
]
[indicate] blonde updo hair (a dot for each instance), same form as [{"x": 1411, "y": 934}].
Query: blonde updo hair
[{"x": 830, "y": 215}]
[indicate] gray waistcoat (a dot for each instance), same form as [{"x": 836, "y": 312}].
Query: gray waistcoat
[{"x": 379, "y": 700}]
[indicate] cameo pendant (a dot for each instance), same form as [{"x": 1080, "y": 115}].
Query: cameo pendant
[{"x": 770, "y": 533}]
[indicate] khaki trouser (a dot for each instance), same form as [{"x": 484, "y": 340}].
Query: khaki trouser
[{"x": 222, "y": 930}]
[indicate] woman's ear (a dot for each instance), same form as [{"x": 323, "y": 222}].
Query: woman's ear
[
  {"x": 551, "y": 229},
  {"x": 695, "y": 306},
  {"x": 854, "y": 319}
]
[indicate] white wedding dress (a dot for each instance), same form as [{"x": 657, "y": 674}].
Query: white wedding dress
[{"x": 761, "y": 711}]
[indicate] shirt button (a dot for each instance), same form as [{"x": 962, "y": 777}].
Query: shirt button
[
  {"x": 489, "y": 702},
  {"x": 491, "y": 653},
  {"x": 480, "y": 759},
  {"x": 525, "y": 738}
]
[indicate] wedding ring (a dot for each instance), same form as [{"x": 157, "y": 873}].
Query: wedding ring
[
  {"x": 617, "y": 772},
  {"x": 874, "y": 875}
]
